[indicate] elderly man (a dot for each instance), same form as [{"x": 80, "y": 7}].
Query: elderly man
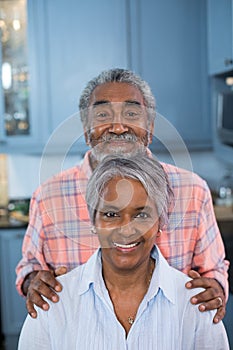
[{"x": 117, "y": 110}]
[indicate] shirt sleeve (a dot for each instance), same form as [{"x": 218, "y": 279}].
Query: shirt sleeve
[
  {"x": 32, "y": 248},
  {"x": 34, "y": 334},
  {"x": 209, "y": 255},
  {"x": 200, "y": 333}
]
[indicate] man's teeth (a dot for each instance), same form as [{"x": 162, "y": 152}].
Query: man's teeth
[{"x": 125, "y": 245}]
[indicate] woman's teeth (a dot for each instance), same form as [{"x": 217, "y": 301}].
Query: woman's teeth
[{"x": 125, "y": 245}]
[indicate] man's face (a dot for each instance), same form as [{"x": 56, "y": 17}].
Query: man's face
[{"x": 117, "y": 121}]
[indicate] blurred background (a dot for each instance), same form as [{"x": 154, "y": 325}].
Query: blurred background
[{"x": 50, "y": 49}]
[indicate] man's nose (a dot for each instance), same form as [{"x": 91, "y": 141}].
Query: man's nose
[{"x": 118, "y": 128}]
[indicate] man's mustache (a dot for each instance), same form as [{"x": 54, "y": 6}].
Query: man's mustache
[
  {"x": 129, "y": 137},
  {"x": 123, "y": 137}
]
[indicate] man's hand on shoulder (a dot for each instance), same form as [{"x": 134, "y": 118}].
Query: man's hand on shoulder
[
  {"x": 212, "y": 298},
  {"x": 39, "y": 284}
]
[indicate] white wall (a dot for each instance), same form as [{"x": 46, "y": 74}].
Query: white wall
[
  {"x": 25, "y": 175},
  {"x": 25, "y": 171}
]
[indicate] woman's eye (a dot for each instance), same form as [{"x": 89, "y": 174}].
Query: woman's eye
[
  {"x": 142, "y": 215},
  {"x": 110, "y": 214}
]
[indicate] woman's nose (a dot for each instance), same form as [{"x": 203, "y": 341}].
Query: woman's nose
[{"x": 127, "y": 229}]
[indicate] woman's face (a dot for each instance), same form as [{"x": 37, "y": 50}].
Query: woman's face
[{"x": 126, "y": 223}]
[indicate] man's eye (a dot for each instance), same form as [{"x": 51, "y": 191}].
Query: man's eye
[
  {"x": 102, "y": 114},
  {"x": 131, "y": 114}
]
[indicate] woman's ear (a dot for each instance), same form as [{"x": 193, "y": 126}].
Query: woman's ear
[{"x": 93, "y": 230}]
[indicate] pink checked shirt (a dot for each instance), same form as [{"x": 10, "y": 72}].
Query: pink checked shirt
[{"x": 59, "y": 229}]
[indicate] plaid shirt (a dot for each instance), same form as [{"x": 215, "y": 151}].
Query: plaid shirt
[{"x": 59, "y": 229}]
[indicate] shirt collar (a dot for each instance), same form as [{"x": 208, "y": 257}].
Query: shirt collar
[
  {"x": 162, "y": 278},
  {"x": 92, "y": 273}
]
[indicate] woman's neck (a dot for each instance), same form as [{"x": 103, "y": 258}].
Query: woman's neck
[
  {"x": 127, "y": 290},
  {"x": 123, "y": 280}
]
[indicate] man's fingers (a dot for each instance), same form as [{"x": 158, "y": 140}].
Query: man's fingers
[
  {"x": 35, "y": 297},
  {"x": 39, "y": 288},
  {"x": 30, "y": 308},
  {"x": 61, "y": 270},
  {"x": 211, "y": 305},
  {"x": 198, "y": 282},
  {"x": 48, "y": 278},
  {"x": 211, "y": 298},
  {"x": 40, "y": 302},
  {"x": 42, "y": 285},
  {"x": 201, "y": 297},
  {"x": 193, "y": 274},
  {"x": 220, "y": 314},
  {"x": 213, "y": 291},
  {"x": 215, "y": 303}
]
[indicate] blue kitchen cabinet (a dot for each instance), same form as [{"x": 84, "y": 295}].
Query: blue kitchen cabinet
[
  {"x": 228, "y": 320},
  {"x": 84, "y": 38},
  {"x": 168, "y": 40},
  {"x": 13, "y": 309},
  {"x": 220, "y": 36},
  {"x": 68, "y": 44},
  {"x": 19, "y": 125}
]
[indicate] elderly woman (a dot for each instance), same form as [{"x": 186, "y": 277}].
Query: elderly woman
[{"x": 126, "y": 296}]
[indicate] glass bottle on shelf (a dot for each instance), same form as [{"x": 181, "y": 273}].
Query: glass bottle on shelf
[
  {"x": 225, "y": 191},
  {"x": 14, "y": 68}
]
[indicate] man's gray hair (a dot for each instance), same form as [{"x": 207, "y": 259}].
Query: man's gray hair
[
  {"x": 147, "y": 171},
  {"x": 121, "y": 76}
]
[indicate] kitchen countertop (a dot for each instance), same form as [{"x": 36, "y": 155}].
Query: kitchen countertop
[
  {"x": 223, "y": 213},
  {"x": 8, "y": 223},
  {"x": 13, "y": 219}
]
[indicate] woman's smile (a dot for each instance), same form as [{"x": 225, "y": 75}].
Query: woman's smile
[{"x": 126, "y": 222}]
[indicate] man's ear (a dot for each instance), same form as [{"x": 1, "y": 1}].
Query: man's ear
[
  {"x": 151, "y": 131},
  {"x": 87, "y": 138}
]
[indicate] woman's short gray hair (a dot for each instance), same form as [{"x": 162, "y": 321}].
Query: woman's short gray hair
[
  {"x": 121, "y": 76},
  {"x": 147, "y": 171}
]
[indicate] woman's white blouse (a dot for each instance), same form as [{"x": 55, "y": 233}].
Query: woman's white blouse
[{"x": 84, "y": 318}]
